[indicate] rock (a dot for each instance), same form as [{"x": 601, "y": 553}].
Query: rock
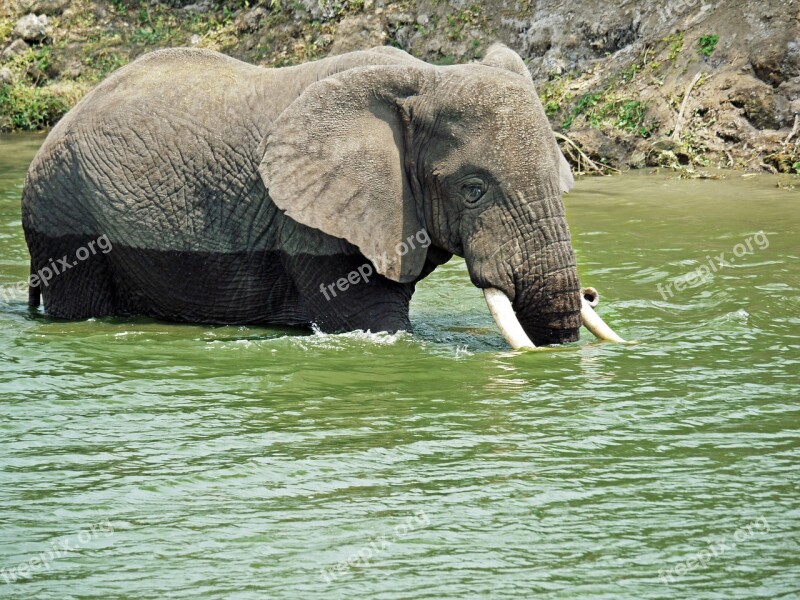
[
  {"x": 32, "y": 28},
  {"x": 15, "y": 48},
  {"x": 434, "y": 47},
  {"x": 791, "y": 89},
  {"x": 777, "y": 63},
  {"x": 762, "y": 106},
  {"x": 195, "y": 40},
  {"x": 665, "y": 145},
  {"x": 402, "y": 37},
  {"x": 553, "y": 64},
  {"x": 423, "y": 20},
  {"x": 34, "y": 72},
  {"x": 539, "y": 41},
  {"x": 398, "y": 19},
  {"x": 248, "y": 22},
  {"x": 5, "y": 123},
  {"x": 60, "y": 66},
  {"x": 358, "y": 33},
  {"x": 198, "y": 8},
  {"x": 598, "y": 146},
  {"x": 791, "y": 61},
  {"x": 48, "y": 7},
  {"x": 72, "y": 71},
  {"x": 638, "y": 158},
  {"x": 6, "y": 77},
  {"x": 734, "y": 129}
]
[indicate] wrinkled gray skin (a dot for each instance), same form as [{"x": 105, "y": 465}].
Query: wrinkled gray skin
[{"x": 231, "y": 193}]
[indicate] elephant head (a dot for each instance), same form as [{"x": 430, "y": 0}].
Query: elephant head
[{"x": 377, "y": 154}]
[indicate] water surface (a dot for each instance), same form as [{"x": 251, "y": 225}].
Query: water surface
[{"x": 143, "y": 459}]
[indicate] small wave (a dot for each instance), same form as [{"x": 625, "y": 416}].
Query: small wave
[
  {"x": 379, "y": 338},
  {"x": 739, "y": 316}
]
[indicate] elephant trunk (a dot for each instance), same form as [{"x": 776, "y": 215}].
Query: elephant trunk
[
  {"x": 547, "y": 293},
  {"x": 533, "y": 267}
]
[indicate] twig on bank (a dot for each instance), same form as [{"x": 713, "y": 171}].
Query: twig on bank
[
  {"x": 795, "y": 129},
  {"x": 583, "y": 158},
  {"x": 676, "y": 134}
]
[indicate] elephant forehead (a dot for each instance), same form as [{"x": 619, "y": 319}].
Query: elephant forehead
[
  {"x": 489, "y": 93},
  {"x": 509, "y": 114},
  {"x": 518, "y": 154}
]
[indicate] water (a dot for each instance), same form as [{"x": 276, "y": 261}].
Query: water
[{"x": 152, "y": 460}]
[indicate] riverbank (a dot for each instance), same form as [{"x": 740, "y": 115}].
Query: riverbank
[{"x": 688, "y": 85}]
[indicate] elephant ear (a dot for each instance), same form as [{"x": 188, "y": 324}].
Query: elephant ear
[
  {"x": 565, "y": 172},
  {"x": 502, "y": 57},
  {"x": 335, "y": 160}
]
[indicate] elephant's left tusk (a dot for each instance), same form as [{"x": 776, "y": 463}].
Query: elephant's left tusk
[
  {"x": 506, "y": 319},
  {"x": 595, "y": 324}
]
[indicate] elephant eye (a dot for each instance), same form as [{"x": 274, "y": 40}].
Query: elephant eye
[{"x": 474, "y": 190}]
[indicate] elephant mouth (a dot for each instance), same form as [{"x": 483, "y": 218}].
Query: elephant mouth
[{"x": 506, "y": 319}]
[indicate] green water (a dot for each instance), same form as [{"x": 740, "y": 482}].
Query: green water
[{"x": 244, "y": 462}]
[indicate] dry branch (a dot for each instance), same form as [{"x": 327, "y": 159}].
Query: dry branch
[
  {"x": 795, "y": 129},
  {"x": 583, "y": 158},
  {"x": 676, "y": 134}
]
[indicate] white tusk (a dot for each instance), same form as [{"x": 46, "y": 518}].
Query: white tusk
[
  {"x": 596, "y": 325},
  {"x": 506, "y": 319}
]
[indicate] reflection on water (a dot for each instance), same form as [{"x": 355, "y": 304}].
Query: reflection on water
[{"x": 245, "y": 462}]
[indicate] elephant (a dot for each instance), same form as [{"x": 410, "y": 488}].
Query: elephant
[{"x": 316, "y": 194}]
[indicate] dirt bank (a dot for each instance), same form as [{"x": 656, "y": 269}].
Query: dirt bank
[{"x": 613, "y": 78}]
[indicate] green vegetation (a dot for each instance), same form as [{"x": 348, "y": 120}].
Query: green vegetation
[
  {"x": 630, "y": 73},
  {"x": 631, "y": 116},
  {"x": 46, "y": 80},
  {"x": 6, "y": 26},
  {"x": 786, "y": 161},
  {"x": 675, "y": 43},
  {"x": 103, "y": 63},
  {"x": 600, "y": 109},
  {"x": 31, "y": 107},
  {"x": 707, "y": 44},
  {"x": 445, "y": 60},
  {"x": 554, "y": 95},
  {"x": 466, "y": 17},
  {"x": 25, "y": 102}
]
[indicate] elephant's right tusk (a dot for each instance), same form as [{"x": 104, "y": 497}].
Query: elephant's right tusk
[
  {"x": 595, "y": 324},
  {"x": 506, "y": 319}
]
